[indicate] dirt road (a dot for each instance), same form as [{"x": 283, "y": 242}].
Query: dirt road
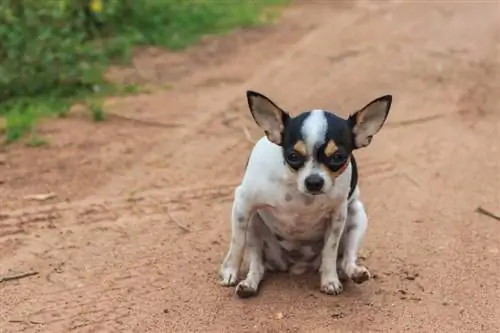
[{"x": 134, "y": 235}]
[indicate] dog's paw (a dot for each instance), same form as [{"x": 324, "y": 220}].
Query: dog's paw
[
  {"x": 229, "y": 277},
  {"x": 244, "y": 289},
  {"x": 360, "y": 275},
  {"x": 332, "y": 287}
]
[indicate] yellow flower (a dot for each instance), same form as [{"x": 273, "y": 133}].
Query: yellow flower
[{"x": 96, "y": 6}]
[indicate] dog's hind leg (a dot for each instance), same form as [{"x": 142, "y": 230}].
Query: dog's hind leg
[
  {"x": 255, "y": 246},
  {"x": 352, "y": 237}
]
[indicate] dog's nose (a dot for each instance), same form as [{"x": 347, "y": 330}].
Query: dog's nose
[{"x": 314, "y": 183}]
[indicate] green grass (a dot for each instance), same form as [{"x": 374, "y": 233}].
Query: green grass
[
  {"x": 36, "y": 141},
  {"x": 54, "y": 53},
  {"x": 97, "y": 110}
]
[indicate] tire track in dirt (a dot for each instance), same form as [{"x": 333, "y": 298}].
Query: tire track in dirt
[{"x": 86, "y": 212}]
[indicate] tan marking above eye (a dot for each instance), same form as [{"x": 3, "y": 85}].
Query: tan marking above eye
[
  {"x": 330, "y": 148},
  {"x": 300, "y": 147}
]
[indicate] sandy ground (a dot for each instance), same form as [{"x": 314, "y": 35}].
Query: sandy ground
[{"x": 134, "y": 236}]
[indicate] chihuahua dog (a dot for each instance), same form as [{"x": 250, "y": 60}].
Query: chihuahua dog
[{"x": 298, "y": 205}]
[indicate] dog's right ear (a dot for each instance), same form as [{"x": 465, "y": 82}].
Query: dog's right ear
[
  {"x": 268, "y": 116},
  {"x": 366, "y": 122}
]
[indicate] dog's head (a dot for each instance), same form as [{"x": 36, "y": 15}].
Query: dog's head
[{"x": 317, "y": 144}]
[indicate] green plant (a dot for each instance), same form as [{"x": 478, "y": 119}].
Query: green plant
[
  {"x": 97, "y": 111},
  {"x": 54, "y": 53},
  {"x": 36, "y": 141}
]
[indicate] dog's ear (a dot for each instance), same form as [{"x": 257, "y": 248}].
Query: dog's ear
[
  {"x": 366, "y": 122},
  {"x": 268, "y": 116}
]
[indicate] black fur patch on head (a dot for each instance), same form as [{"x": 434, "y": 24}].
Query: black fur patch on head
[
  {"x": 293, "y": 129},
  {"x": 339, "y": 133},
  {"x": 291, "y": 136}
]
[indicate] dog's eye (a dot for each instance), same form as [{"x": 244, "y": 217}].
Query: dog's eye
[
  {"x": 336, "y": 159},
  {"x": 294, "y": 159}
]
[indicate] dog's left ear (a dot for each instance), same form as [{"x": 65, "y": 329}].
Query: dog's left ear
[
  {"x": 270, "y": 117},
  {"x": 366, "y": 122}
]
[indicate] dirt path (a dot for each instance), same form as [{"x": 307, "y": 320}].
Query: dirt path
[{"x": 134, "y": 237}]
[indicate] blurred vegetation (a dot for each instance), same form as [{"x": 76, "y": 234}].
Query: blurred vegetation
[{"x": 53, "y": 53}]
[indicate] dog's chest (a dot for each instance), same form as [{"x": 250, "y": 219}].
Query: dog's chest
[{"x": 299, "y": 217}]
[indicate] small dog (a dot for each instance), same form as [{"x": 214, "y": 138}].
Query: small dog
[{"x": 298, "y": 206}]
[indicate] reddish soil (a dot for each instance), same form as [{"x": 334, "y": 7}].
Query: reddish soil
[{"x": 138, "y": 225}]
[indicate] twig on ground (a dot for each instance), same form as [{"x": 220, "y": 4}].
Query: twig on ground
[
  {"x": 410, "y": 179},
  {"x": 182, "y": 226},
  {"x": 485, "y": 212},
  {"x": 416, "y": 121},
  {"x": 41, "y": 196},
  {"x": 247, "y": 135},
  {"x": 16, "y": 276},
  {"x": 144, "y": 122},
  {"x": 32, "y": 322}
]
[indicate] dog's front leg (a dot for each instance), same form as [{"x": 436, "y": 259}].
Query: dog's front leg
[
  {"x": 330, "y": 282},
  {"x": 351, "y": 240},
  {"x": 250, "y": 285},
  {"x": 240, "y": 217}
]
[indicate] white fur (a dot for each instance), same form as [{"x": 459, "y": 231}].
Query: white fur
[
  {"x": 314, "y": 129},
  {"x": 261, "y": 209}
]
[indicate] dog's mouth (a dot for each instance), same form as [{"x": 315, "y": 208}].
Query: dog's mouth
[{"x": 315, "y": 193}]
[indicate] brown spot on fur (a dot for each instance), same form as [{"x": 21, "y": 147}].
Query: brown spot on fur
[
  {"x": 350, "y": 227},
  {"x": 300, "y": 147},
  {"x": 288, "y": 197},
  {"x": 337, "y": 229},
  {"x": 241, "y": 222},
  {"x": 330, "y": 148}
]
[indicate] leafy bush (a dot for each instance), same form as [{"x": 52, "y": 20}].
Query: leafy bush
[{"x": 58, "y": 50}]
